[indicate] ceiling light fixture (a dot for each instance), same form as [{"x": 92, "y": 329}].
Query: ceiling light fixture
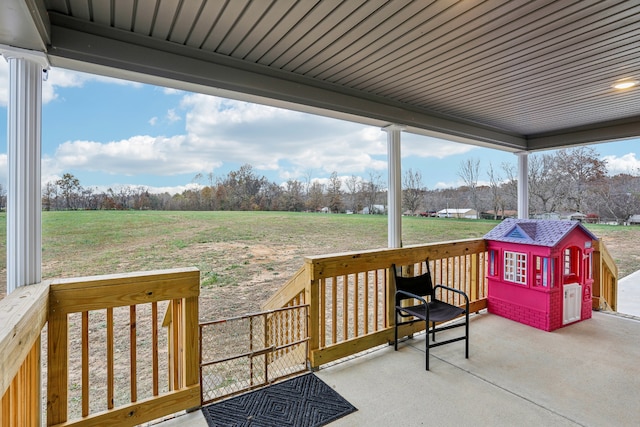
[{"x": 625, "y": 84}]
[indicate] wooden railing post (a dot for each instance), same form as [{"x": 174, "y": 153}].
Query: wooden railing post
[
  {"x": 175, "y": 373},
  {"x": 57, "y": 368},
  {"x": 389, "y": 293},
  {"x": 312, "y": 297},
  {"x": 597, "y": 302},
  {"x": 474, "y": 280},
  {"x": 191, "y": 342},
  {"x": 605, "y": 278},
  {"x": 23, "y": 314}
]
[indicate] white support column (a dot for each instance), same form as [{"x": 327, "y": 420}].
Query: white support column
[
  {"x": 523, "y": 185},
  {"x": 24, "y": 201},
  {"x": 394, "y": 193}
]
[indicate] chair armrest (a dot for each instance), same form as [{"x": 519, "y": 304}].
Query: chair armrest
[
  {"x": 410, "y": 295},
  {"x": 458, "y": 291}
]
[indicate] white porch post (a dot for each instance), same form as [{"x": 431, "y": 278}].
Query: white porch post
[
  {"x": 394, "y": 193},
  {"x": 24, "y": 202},
  {"x": 523, "y": 185}
]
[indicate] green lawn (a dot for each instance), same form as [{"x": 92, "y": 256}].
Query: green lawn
[
  {"x": 100, "y": 242},
  {"x": 236, "y": 251}
]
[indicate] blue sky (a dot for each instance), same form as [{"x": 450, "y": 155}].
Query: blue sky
[{"x": 111, "y": 133}]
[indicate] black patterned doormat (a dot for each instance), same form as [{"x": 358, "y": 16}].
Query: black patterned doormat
[{"x": 304, "y": 401}]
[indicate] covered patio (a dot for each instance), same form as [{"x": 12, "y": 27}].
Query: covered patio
[
  {"x": 509, "y": 75},
  {"x": 581, "y": 375}
]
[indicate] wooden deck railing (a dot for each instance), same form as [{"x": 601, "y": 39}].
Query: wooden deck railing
[
  {"x": 605, "y": 278},
  {"x": 126, "y": 376},
  {"x": 98, "y": 298},
  {"x": 23, "y": 314},
  {"x": 350, "y": 301}
]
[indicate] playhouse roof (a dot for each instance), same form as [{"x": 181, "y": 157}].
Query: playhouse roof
[{"x": 534, "y": 232}]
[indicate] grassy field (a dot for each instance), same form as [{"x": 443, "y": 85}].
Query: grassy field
[{"x": 243, "y": 256}]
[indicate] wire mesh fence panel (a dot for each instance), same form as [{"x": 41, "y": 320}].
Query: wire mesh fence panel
[{"x": 246, "y": 352}]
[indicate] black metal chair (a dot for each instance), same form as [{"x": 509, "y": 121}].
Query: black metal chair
[{"x": 429, "y": 309}]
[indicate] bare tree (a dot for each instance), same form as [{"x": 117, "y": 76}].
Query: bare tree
[
  {"x": 496, "y": 194},
  {"x": 334, "y": 193},
  {"x": 469, "y": 172},
  {"x": 576, "y": 169},
  {"x": 413, "y": 191},
  {"x": 140, "y": 196},
  {"x": 620, "y": 196},
  {"x": 354, "y": 187},
  {"x": 3, "y": 197},
  {"x": 293, "y": 195},
  {"x": 49, "y": 196},
  {"x": 315, "y": 198},
  {"x": 544, "y": 184},
  {"x": 70, "y": 188},
  {"x": 510, "y": 185},
  {"x": 371, "y": 189},
  {"x": 307, "y": 182}
]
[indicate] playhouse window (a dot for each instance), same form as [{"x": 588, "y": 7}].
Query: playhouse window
[
  {"x": 567, "y": 262},
  {"x": 515, "y": 267},
  {"x": 545, "y": 268},
  {"x": 492, "y": 263},
  {"x": 571, "y": 263}
]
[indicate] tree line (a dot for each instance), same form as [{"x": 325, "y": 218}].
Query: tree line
[
  {"x": 572, "y": 180},
  {"x": 242, "y": 189},
  {"x": 565, "y": 181}
]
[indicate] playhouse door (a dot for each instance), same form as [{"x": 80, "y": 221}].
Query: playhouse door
[{"x": 572, "y": 306}]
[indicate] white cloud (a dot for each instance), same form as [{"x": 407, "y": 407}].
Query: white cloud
[
  {"x": 440, "y": 185},
  {"x": 219, "y": 132},
  {"x": 176, "y": 189},
  {"x": 57, "y": 78},
  {"x": 4, "y": 82},
  {"x": 424, "y": 146},
  {"x": 3, "y": 169},
  {"x": 136, "y": 155},
  {"x": 50, "y": 171},
  {"x": 268, "y": 137},
  {"x": 171, "y": 91},
  {"x": 172, "y": 116},
  {"x": 623, "y": 164}
]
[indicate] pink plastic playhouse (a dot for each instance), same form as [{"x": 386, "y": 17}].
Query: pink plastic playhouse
[{"x": 539, "y": 272}]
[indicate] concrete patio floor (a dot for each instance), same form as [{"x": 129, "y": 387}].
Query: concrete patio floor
[
  {"x": 586, "y": 374},
  {"x": 629, "y": 294}
]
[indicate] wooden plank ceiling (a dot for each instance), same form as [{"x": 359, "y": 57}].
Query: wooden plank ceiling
[{"x": 517, "y": 75}]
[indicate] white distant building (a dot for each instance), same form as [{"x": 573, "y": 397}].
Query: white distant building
[
  {"x": 634, "y": 220},
  {"x": 547, "y": 215},
  {"x": 375, "y": 209},
  {"x": 458, "y": 213}
]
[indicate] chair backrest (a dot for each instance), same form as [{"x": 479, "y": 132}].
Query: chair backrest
[{"x": 419, "y": 285}]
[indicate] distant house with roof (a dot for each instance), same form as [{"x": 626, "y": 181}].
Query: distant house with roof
[
  {"x": 547, "y": 215},
  {"x": 574, "y": 216},
  {"x": 540, "y": 272},
  {"x": 634, "y": 220},
  {"x": 500, "y": 214},
  {"x": 374, "y": 209},
  {"x": 457, "y": 213}
]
